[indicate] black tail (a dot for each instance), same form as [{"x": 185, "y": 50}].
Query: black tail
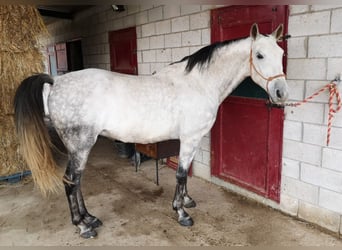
[{"x": 34, "y": 139}]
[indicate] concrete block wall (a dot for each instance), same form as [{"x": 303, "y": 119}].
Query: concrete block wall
[{"x": 311, "y": 171}]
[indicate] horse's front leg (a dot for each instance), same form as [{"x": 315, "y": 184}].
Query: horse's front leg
[{"x": 182, "y": 198}]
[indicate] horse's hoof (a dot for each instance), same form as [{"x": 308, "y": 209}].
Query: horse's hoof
[
  {"x": 95, "y": 223},
  {"x": 190, "y": 204},
  {"x": 186, "y": 222},
  {"x": 89, "y": 234}
]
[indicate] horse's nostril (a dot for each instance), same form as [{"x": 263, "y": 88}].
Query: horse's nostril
[{"x": 279, "y": 94}]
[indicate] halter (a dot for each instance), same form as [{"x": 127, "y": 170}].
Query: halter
[{"x": 268, "y": 79}]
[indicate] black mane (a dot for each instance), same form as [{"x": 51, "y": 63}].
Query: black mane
[{"x": 203, "y": 56}]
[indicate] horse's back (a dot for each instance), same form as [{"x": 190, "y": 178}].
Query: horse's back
[{"x": 130, "y": 108}]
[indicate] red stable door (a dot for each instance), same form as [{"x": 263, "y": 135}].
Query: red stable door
[
  {"x": 247, "y": 137},
  {"x": 123, "y": 51}
]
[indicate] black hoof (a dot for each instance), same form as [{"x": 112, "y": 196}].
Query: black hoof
[
  {"x": 89, "y": 234},
  {"x": 95, "y": 223},
  {"x": 190, "y": 204},
  {"x": 186, "y": 222}
]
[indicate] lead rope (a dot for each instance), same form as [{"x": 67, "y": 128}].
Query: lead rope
[{"x": 333, "y": 92}]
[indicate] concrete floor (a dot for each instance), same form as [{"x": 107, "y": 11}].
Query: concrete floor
[{"x": 136, "y": 212}]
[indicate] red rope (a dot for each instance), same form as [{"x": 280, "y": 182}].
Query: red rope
[{"x": 333, "y": 92}]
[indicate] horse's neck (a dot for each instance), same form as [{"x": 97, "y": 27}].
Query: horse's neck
[{"x": 229, "y": 68}]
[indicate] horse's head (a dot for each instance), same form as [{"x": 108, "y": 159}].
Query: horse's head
[{"x": 266, "y": 67}]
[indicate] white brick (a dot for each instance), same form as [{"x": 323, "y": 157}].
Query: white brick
[
  {"x": 164, "y": 55},
  {"x": 291, "y": 168},
  {"x": 299, "y": 190},
  {"x": 149, "y": 56},
  {"x": 309, "y": 69},
  {"x": 334, "y": 67},
  {"x": 173, "y": 40},
  {"x": 205, "y": 144},
  {"x": 199, "y": 156},
  {"x": 131, "y": 9},
  {"x": 194, "y": 49},
  {"x": 155, "y": 14},
  {"x": 180, "y": 24},
  {"x": 191, "y": 38},
  {"x": 335, "y": 138},
  {"x": 179, "y": 53},
  {"x": 296, "y": 90},
  {"x": 309, "y": 24},
  {"x": 324, "y": 7},
  {"x": 155, "y": 67},
  {"x": 208, "y": 7},
  {"x": 189, "y": 9},
  {"x": 148, "y": 30},
  {"x": 336, "y": 25},
  {"x": 325, "y": 46},
  {"x": 322, "y": 177},
  {"x": 145, "y": 7},
  {"x": 297, "y": 47},
  {"x": 330, "y": 200},
  {"x": 206, "y": 36},
  {"x": 312, "y": 87},
  {"x": 206, "y": 158},
  {"x": 337, "y": 119},
  {"x": 157, "y": 42},
  {"x": 319, "y": 216},
  {"x": 143, "y": 43},
  {"x": 129, "y": 21},
  {"x": 200, "y": 20},
  {"x": 139, "y": 57},
  {"x": 309, "y": 112},
  {"x": 289, "y": 204},
  {"x": 332, "y": 159},
  {"x": 163, "y": 27},
  {"x": 201, "y": 170},
  {"x": 296, "y": 9},
  {"x": 171, "y": 11},
  {"x": 144, "y": 69},
  {"x": 293, "y": 130},
  {"x": 302, "y": 152},
  {"x": 315, "y": 134},
  {"x": 141, "y": 18},
  {"x": 138, "y": 29}
]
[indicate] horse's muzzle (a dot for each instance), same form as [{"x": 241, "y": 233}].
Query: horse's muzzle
[{"x": 278, "y": 91}]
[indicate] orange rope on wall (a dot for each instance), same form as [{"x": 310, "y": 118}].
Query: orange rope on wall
[{"x": 333, "y": 93}]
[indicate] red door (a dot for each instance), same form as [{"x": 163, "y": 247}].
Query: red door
[
  {"x": 123, "y": 51},
  {"x": 246, "y": 140}
]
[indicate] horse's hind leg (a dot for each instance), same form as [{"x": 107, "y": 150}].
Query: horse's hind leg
[
  {"x": 79, "y": 144},
  {"x": 73, "y": 192}
]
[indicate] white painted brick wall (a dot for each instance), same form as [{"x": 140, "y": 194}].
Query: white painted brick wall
[
  {"x": 180, "y": 24},
  {"x": 315, "y": 57}
]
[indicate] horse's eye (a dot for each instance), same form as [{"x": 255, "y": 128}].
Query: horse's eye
[{"x": 259, "y": 56}]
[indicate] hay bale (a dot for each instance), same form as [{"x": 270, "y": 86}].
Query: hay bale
[{"x": 21, "y": 27}]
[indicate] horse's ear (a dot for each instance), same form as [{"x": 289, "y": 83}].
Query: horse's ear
[
  {"x": 278, "y": 33},
  {"x": 254, "y": 31}
]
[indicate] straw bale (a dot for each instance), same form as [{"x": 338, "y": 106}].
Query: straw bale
[{"x": 21, "y": 28}]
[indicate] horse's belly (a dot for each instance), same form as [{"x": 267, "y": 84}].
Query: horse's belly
[{"x": 140, "y": 129}]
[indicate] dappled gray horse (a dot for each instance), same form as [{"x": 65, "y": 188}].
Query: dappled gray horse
[{"x": 179, "y": 102}]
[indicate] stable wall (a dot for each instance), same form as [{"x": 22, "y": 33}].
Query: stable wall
[{"x": 311, "y": 173}]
